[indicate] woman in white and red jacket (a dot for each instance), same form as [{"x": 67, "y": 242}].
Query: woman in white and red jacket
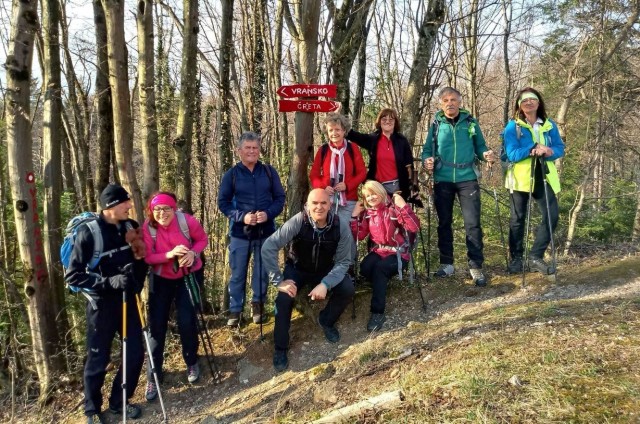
[
  {"x": 174, "y": 241},
  {"x": 388, "y": 224}
]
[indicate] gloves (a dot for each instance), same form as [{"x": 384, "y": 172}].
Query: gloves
[
  {"x": 120, "y": 281},
  {"x": 124, "y": 279}
]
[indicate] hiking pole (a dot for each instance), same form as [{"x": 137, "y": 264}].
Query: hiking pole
[
  {"x": 355, "y": 270},
  {"x": 262, "y": 295},
  {"x": 124, "y": 355},
  {"x": 429, "y": 204},
  {"x": 147, "y": 337},
  {"x": 544, "y": 170},
  {"x": 495, "y": 196},
  {"x": 196, "y": 302},
  {"x": 528, "y": 224}
]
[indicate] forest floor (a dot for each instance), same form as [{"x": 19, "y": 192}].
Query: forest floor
[{"x": 552, "y": 351}]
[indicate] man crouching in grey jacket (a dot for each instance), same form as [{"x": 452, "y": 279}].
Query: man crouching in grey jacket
[{"x": 319, "y": 253}]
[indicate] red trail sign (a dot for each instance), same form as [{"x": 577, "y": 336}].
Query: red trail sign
[
  {"x": 308, "y": 90},
  {"x": 309, "y": 106}
]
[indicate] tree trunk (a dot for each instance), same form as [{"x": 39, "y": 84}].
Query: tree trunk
[
  {"x": 119, "y": 83},
  {"x": 184, "y": 131},
  {"x": 304, "y": 31},
  {"x": 224, "y": 87},
  {"x": 358, "y": 102},
  {"x": 104, "y": 107},
  {"x": 348, "y": 22},
  {"x": 24, "y": 24},
  {"x": 417, "y": 86},
  {"x": 51, "y": 147},
  {"x": 147, "y": 96}
]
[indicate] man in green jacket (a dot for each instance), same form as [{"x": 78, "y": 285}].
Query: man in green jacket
[{"x": 452, "y": 146}]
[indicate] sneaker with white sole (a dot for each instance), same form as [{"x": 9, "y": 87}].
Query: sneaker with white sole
[
  {"x": 234, "y": 319},
  {"x": 445, "y": 270},
  {"x": 193, "y": 373}
]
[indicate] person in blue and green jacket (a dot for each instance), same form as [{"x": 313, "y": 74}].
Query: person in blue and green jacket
[
  {"x": 531, "y": 139},
  {"x": 453, "y": 145}
]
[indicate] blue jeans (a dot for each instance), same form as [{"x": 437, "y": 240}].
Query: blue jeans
[
  {"x": 444, "y": 195},
  {"x": 162, "y": 293},
  {"x": 240, "y": 251}
]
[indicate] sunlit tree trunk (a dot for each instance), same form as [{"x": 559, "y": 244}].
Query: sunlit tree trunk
[
  {"x": 51, "y": 149},
  {"x": 303, "y": 25},
  {"x": 119, "y": 83},
  {"x": 44, "y": 335},
  {"x": 147, "y": 98},
  {"x": 417, "y": 86},
  {"x": 184, "y": 131},
  {"x": 103, "y": 102}
]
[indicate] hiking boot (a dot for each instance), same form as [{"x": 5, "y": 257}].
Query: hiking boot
[
  {"x": 95, "y": 419},
  {"x": 193, "y": 373},
  {"x": 151, "y": 393},
  {"x": 478, "y": 276},
  {"x": 375, "y": 322},
  {"x": 280, "y": 361},
  {"x": 133, "y": 411},
  {"x": 538, "y": 265},
  {"x": 234, "y": 319},
  {"x": 515, "y": 266},
  {"x": 257, "y": 312},
  {"x": 330, "y": 333},
  {"x": 445, "y": 270}
]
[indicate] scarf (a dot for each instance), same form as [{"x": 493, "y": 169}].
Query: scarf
[{"x": 336, "y": 171}]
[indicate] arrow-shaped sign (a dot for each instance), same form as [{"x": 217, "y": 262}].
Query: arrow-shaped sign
[
  {"x": 309, "y": 106},
  {"x": 308, "y": 90}
]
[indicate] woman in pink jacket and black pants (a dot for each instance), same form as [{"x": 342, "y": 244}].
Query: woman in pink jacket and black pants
[
  {"x": 387, "y": 223},
  {"x": 174, "y": 241}
]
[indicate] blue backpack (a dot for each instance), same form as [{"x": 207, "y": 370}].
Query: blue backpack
[{"x": 90, "y": 219}]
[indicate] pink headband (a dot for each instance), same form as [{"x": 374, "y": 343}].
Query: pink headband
[{"x": 162, "y": 199}]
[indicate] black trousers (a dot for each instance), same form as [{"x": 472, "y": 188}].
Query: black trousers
[
  {"x": 468, "y": 193},
  {"x": 379, "y": 271},
  {"x": 518, "y": 221},
  {"x": 339, "y": 298},
  {"x": 162, "y": 293},
  {"x": 103, "y": 324}
]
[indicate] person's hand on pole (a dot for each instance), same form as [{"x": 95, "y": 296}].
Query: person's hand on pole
[
  {"x": 261, "y": 217},
  {"x": 188, "y": 259},
  {"x": 329, "y": 190},
  {"x": 489, "y": 156},
  {"x": 398, "y": 200},
  {"x": 179, "y": 250},
  {"x": 429, "y": 164},
  {"x": 123, "y": 279},
  {"x": 340, "y": 187},
  {"x": 250, "y": 218},
  {"x": 357, "y": 209}
]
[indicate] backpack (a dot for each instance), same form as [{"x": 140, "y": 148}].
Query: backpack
[
  {"x": 90, "y": 219},
  {"x": 504, "y": 160},
  {"x": 184, "y": 229},
  {"x": 323, "y": 154}
]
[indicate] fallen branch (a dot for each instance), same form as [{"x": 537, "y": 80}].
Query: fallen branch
[{"x": 388, "y": 400}]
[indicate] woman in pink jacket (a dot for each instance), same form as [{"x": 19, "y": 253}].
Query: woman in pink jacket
[
  {"x": 387, "y": 223},
  {"x": 174, "y": 241}
]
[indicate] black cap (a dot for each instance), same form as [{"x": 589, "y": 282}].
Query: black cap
[{"x": 113, "y": 195}]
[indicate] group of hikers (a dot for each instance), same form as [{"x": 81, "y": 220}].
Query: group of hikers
[{"x": 320, "y": 241}]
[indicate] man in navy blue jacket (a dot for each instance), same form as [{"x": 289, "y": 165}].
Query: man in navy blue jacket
[{"x": 251, "y": 196}]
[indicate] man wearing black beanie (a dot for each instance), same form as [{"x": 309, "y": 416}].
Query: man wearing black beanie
[{"x": 117, "y": 271}]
